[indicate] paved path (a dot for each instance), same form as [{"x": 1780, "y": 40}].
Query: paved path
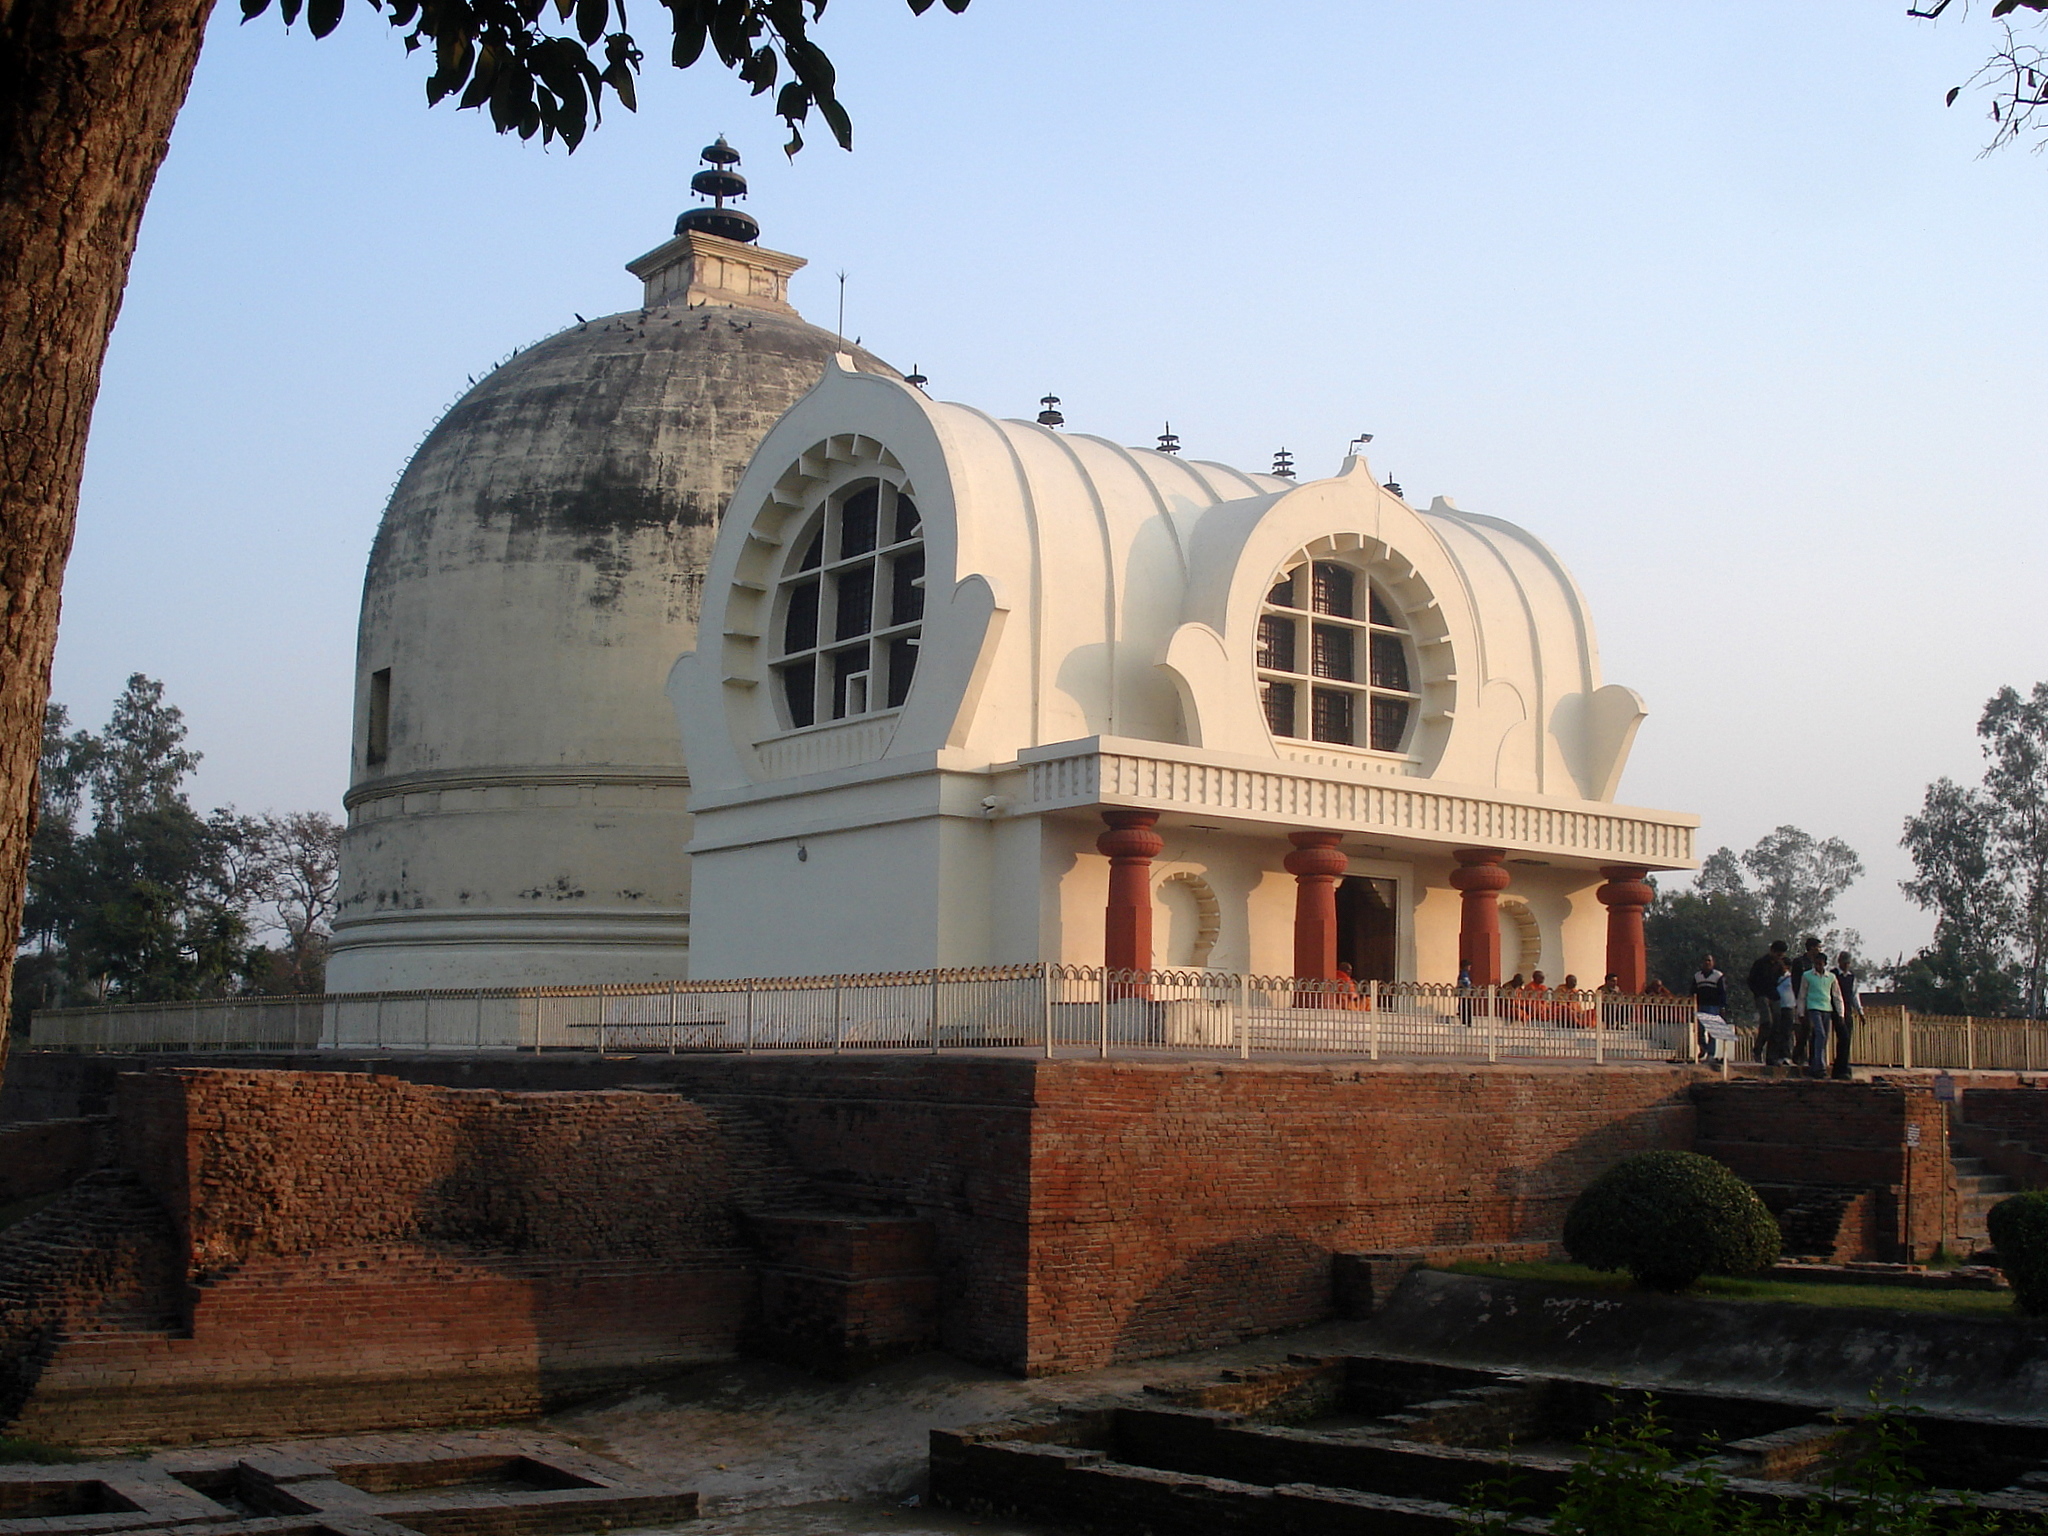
[{"x": 831, "y": 1457}]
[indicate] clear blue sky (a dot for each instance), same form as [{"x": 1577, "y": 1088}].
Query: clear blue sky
[{"x": 1718, "y": 299}]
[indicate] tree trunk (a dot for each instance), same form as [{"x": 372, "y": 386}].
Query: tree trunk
[{"x": 88, "y": 92}]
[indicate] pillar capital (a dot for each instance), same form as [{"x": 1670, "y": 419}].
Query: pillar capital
[
  {"x": 1627, "y": 885},
  {"x": 1130, "y": 836},
  {"x": 1316, "y": 853},
  {"x": 1480, "y": 869}
]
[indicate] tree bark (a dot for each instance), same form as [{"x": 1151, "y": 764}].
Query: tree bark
[{"x": 89, "y": 90}]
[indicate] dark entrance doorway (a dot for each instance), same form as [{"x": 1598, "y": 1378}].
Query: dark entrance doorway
[{"x": 1366, "y": 928}]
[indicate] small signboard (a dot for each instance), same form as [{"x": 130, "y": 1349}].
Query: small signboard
[
  {"x": 1944, "y": 1088},
  {"x": 1912, "y": 1135}
]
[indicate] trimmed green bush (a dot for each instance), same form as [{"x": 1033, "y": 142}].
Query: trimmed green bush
[
  {"x": 1668, "y": 1218},
  {"x": 2019, "y": 1231}
]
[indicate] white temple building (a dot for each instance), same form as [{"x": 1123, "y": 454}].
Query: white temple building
[
  {"x": 944, "y": 649},
  {"x": 963, "y": 691}
]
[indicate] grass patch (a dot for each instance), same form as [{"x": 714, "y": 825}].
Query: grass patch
[
  {"x": 1994, "y": 1305},
  {"x": 34, "y": 1451}
]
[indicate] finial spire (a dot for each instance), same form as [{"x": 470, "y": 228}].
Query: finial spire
[
  {"x": 1050, "y": 416},
  {"x": 1283, "y": 464},
  {"x": 720, "y": 182},
  {"x": 1168, "y": 443}
]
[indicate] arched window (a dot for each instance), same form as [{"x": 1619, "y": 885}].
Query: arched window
[
  {"x": 851, "y": 607},
  {"x": 1336, "y": 661}
]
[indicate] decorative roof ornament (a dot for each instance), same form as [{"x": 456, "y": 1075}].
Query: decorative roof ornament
[
  {"x": 1050, "y": 416},
  {"x": 1393, "y": 485},
  {"x": 915, "y": 379},
  {"x": 720, "y": 182},
  {"x": 1168, "y": 443},
  {"x": 1283, "y": 464}
]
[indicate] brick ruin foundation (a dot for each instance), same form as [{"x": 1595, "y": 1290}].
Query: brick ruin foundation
[
  {"x": 1345, "y": 1444},
  {"x": 254, "y": 1251}
]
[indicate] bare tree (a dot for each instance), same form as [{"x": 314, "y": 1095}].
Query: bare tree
[
  {"x": 299, "y": 891},
  {"x": 2016, "y": 73}
]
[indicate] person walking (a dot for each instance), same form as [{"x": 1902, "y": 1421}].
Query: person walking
[
  {"x": 1710, "y": 997},
  {"x": 1850, "y": 1016},
  {"x": 1820, "y": 997},
  {"x": 1763, "y": 987},
  {"x": 1811, "y": 958}
]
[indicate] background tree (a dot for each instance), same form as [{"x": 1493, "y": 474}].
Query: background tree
[
  {"x": 134, "y": 897},
  {"x": 300, "y": 885},
  {"x": 1797, "y": 881},
  {"x": 1717, "y": 916},
  {"x": 1785, "y": 887},
  {"x": 89, "y": 90},
  {"x": 1980, "y": 861}
]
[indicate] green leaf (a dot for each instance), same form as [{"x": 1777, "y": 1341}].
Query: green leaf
[
  {"x": 592, "y": 17},
  {"x": 688, "y": 48},
  {"x": 323, "y": 16},
  {"x": 835, "y": 115}
]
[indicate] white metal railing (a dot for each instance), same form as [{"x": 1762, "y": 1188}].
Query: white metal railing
[
  {"x": 1053, "y": 1009},
  {"x": 1898, "y": 1037}
]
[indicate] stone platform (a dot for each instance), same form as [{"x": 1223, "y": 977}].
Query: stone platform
[{"x": 491, "y": 1484}]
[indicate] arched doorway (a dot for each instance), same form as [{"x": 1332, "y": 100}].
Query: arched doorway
[{"x": 1367, "y": 928}]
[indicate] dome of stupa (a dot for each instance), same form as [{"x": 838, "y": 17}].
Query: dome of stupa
[{"x": 518, "y": 798}]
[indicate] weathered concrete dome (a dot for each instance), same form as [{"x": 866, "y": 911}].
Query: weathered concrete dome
[{"x": 518, "y": 799}]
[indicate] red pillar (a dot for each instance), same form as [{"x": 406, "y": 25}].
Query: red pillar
[
  {"x": 1625, "y": 895},
  {"x": 1481, "y": 878},
  {"x": 1131, "y": 845},
  {"x": 1316, "y": 865}
]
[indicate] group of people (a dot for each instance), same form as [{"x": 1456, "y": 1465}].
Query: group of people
[
  {"x": 1535, "y": 1000},
  {"x": 1807, "y": 1010}
]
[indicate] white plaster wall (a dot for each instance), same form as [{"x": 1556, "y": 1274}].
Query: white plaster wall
[{"x": 905, "y": 895}]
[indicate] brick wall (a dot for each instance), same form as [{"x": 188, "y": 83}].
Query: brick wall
[
  {"x": 356, "y": 1250},
  {"x": 398, "y": 1336},
  {"x": 47, "y": 1155},
  {"x": 1175, "y": 1205},
  {"x": 263, "y": 1164},
  {"x": 363, "y": 1252},
  {"x": 1852, "y": 1136},
  {"x": 944, "y": 1138},
  {"x": 2021, "y": 1113}
]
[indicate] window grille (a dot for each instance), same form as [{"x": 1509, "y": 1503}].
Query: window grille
[
  {"x": 1359, "y": 673},
  {"x": 852, "y": 607}
]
